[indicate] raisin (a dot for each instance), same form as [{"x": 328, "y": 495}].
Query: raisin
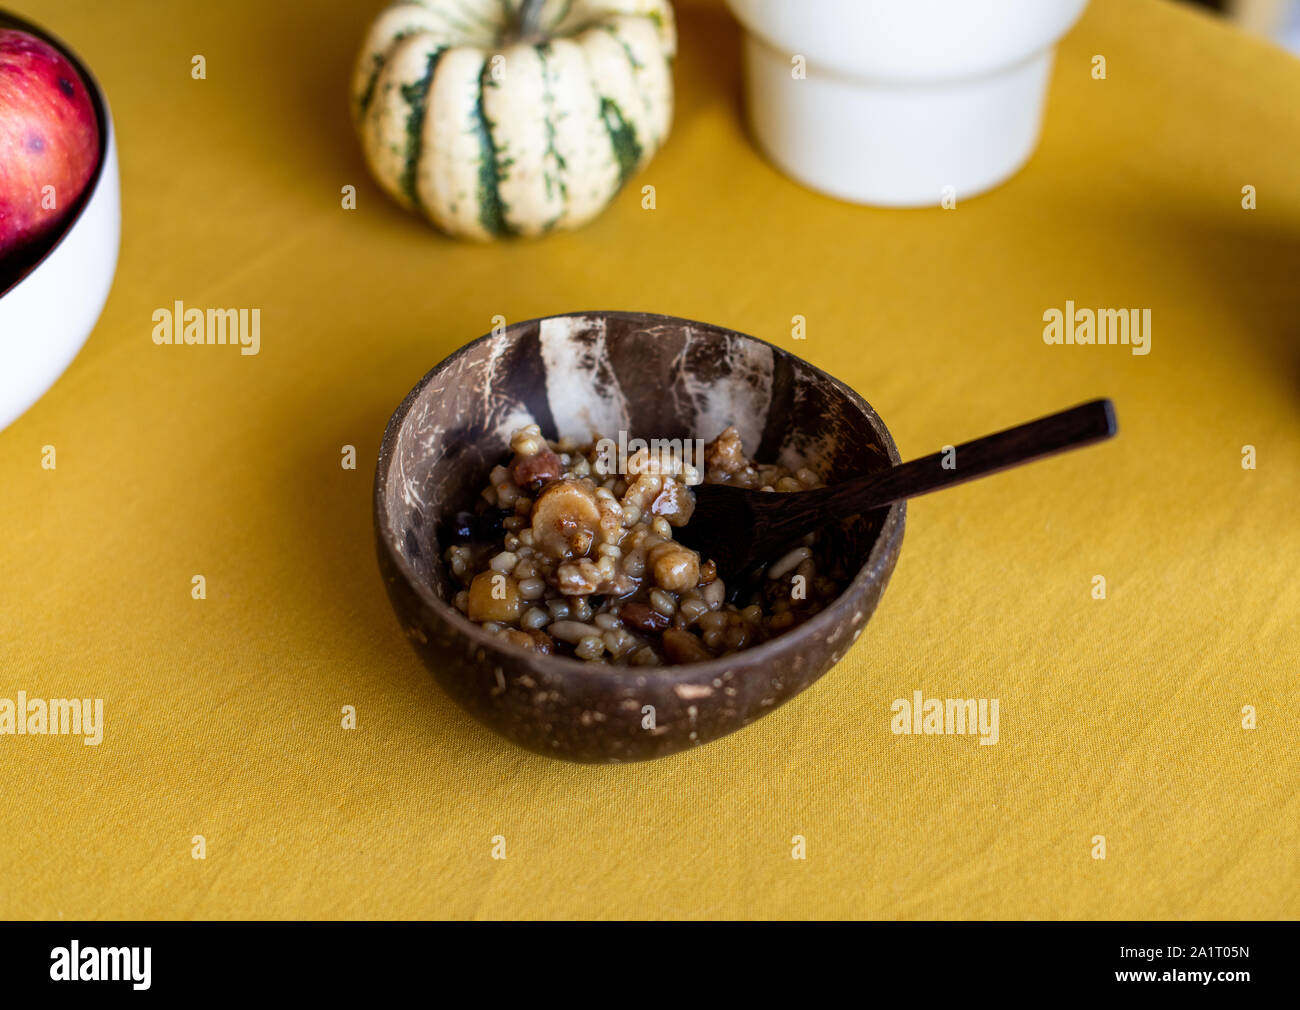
[
  {"x": 643, "y": 618},
  {"x": 483, "y": 527}
]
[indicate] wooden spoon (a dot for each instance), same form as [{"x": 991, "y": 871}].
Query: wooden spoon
[{"x": 740, "y": 529}]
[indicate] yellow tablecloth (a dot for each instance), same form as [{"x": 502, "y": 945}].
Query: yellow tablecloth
[{"x": 1120, "y": 717}]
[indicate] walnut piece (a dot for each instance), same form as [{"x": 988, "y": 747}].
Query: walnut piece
[{"x": 676, "y": 568}]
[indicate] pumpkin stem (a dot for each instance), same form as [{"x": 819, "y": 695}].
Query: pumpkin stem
[{"x": 530, "y": 16}]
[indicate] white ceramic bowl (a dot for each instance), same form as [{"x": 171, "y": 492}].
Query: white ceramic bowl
[
  {"x": 902, "y": 98},
  {"x": 47, "y": 314}
]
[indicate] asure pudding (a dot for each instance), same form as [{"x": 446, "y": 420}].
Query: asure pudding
[{"x": 565, "y": 558}]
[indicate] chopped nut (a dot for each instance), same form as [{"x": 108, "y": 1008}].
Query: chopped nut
[
  {"x": 724, "y": 457},
  {"x": 676, "y": 568},
  {"x": 577, "y": 578},
  {"x": 641, "y": 492},
  {"x": 528, "y": 440},
  {"x": 675, "y": 503}
]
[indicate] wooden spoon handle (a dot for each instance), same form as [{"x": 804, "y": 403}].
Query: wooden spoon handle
[{"x": 1082, "y": 425}]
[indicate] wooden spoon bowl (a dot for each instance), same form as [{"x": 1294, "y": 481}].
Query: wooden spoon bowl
[{"x": 653, "y": 377}]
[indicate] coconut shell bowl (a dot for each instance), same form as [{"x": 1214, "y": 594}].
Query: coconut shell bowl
[{"x": 653, "y": 377}]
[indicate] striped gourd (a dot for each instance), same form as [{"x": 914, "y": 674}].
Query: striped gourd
[{"x": 513, "y": 117}]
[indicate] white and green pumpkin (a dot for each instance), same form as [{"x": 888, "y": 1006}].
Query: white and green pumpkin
[{"x": 513, "y": 117}]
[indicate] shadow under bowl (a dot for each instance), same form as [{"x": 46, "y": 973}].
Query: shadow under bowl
[{"x": 651, "y": 376}]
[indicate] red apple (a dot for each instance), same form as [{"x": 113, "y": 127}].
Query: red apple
[{"x": 49, "y": 138}]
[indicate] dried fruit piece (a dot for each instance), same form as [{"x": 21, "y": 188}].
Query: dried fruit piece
[
  {"x": 683, "y": 647},
  {"x": 493, "y": 596},
  {"x": 565, "y": 518},
  {"x": 542, "y": 642},
  {"x": 483, "y": 527},
  {"x": 643, "y": 618},
  {"x": 532, "y": 472}
]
